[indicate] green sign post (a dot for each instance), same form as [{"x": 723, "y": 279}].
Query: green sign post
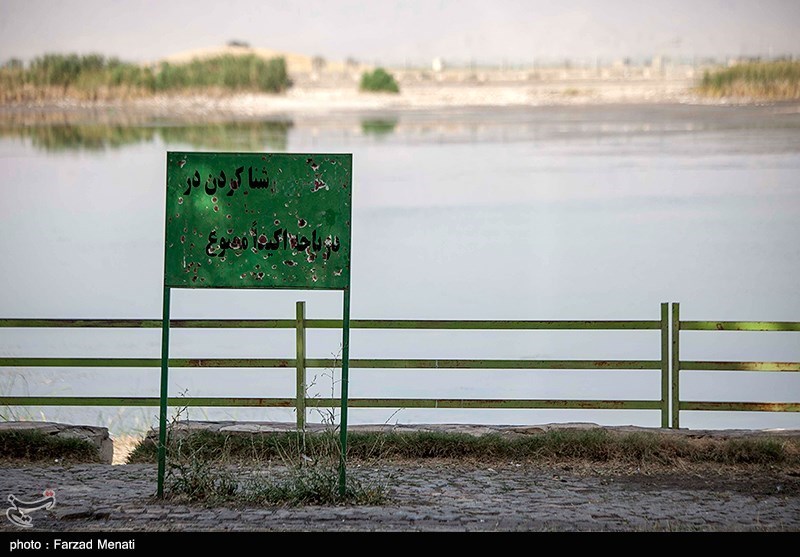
[{"x": 251, "y": 220}]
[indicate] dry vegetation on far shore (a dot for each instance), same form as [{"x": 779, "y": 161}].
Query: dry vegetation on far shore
[{"x": 755, "y": 80}]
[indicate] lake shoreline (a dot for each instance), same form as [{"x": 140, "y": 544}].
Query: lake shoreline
[{"x": 319, "y": 101}]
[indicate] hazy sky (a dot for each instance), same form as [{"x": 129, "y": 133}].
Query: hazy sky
[{"x": 412, "y": 30}]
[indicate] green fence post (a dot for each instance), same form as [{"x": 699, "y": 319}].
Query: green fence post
[
  {"x": 676, "y": 364},
  {"x": 664, "y": 365},
  {"x": 345, "y": 394},
  {"x": 162, "y": 414},
  {"x": 300, "y": 345}
]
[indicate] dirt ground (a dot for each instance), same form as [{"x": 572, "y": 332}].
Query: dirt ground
[
  {"x": 435, "y": 496},
  {"x": 491, "y": 494}
]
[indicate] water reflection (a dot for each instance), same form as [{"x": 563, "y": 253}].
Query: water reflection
[
  {"x": 228, "y": 136},
  {"x": 67, "y": 137},
  {"x": 378, "y": 127},
  {"x": 604, "y": 130},
  {"x": 231, "y": 136}
]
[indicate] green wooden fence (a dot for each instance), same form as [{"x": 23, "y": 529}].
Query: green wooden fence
[
  {"x": 668, "y": 362},
  {"x": 679, "y": 366}
]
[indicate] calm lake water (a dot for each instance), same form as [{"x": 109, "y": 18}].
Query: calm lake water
[{"x": 541, "y": 213}]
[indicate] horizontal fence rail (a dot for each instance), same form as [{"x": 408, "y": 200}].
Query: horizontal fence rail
[
  {"x": 331, "y": 402},
  {"x": 301, "y": 363},
  {"x": 670, "y": 363},
  {"x": 327, "y": 362},
  {"x": 328, "y": 324},
  {"x": 678, "y": 366},
  {"x": 740, "y": 326}
]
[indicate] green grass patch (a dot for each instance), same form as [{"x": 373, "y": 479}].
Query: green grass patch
[
  {"x": 35, "y": 446},
  {"x": 761, "y": 80},
  {"x": 379, "y": 81}
]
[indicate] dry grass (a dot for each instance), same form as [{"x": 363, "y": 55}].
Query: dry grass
[
  {"x": 124, "y": 446},
  {"x": 594, "y": 446},
  {"x": 756, "y": 80},
  {"x": 94, "y": 77}
]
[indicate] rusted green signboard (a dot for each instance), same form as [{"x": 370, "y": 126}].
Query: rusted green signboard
[
  {"x": 253, "y": 220},
  {"x": 258, "y": 221}
]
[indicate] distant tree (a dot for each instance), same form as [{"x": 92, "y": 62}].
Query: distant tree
[
  {"x": 379, "y": 80},
  {"x": 238, "y": 44}
]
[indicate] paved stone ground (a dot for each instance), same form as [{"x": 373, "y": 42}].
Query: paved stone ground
[{"x": 435, "y": 496}]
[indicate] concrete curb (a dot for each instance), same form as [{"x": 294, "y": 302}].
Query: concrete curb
[{"x": 96, "y": 435}]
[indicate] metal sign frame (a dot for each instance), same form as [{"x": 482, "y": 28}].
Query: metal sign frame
[{"x": 257, "y": 221}]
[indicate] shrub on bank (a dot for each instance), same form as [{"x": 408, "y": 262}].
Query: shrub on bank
[{"x": 379, "y": 81}]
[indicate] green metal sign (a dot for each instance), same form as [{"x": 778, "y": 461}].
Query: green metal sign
[
  {"x": 258, "y": 221},
  {"x": 253, "y": 220}
]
